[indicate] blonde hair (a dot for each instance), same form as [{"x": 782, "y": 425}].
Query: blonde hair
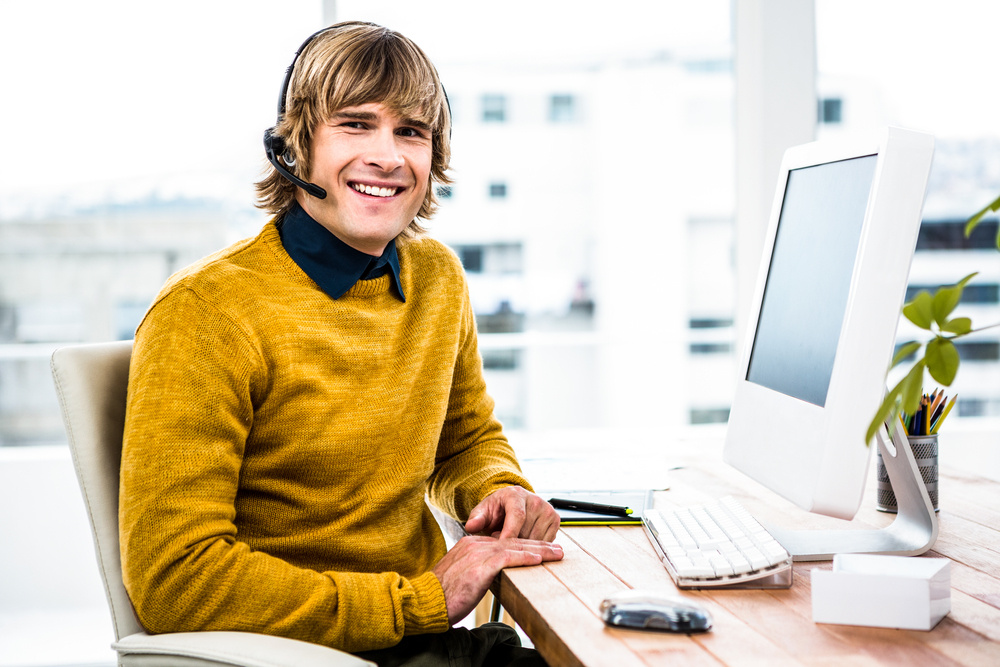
[{"x": 351, "y": 64}]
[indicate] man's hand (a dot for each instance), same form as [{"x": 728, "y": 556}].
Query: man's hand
[
  {"x": 469, "y": 568},
  {"x": 514, "y": 512}
]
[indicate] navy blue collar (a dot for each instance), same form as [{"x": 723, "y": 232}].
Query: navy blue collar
[{"x": 331, "y": 263}]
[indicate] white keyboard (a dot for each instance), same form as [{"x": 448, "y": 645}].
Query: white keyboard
[{"x": 717, "y": 544}]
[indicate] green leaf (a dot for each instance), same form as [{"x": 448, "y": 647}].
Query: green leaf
[
  {"x": 904, "y": 352},
  {"x": 888, "y": 410},
  {"x": 967, "y": 278},
  {"x": 958, "y": 326},
  {"x": 946, "y": 299},
  {"x": 942, "y": 360},
  {"x": 913, "y": 386},
  {"x": 975, "y": 220},
  {"x": 920, "y": 311}
]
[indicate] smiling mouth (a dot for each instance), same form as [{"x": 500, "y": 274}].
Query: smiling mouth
[{"x": 374, "y": 191}]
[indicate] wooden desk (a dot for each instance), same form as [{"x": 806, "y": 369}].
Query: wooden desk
[{"x": 556, "y": 604}]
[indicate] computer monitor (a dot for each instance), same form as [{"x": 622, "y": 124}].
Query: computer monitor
[{"x": 822, "y": 328}]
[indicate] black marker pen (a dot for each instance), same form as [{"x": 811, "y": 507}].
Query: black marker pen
[{"x": 590, "y": 508}]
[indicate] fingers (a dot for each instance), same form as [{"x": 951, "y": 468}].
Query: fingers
[
  {"x": 514, "y": 512},
  {"x": 514, "y": 518},
  {"x": 477, "y": 522},
  {"x": 543, "y": 521},
  {"x": 488, "y": 516},
  {"x": 517, "y": 552},
  {"x": 467, "y": 571}
]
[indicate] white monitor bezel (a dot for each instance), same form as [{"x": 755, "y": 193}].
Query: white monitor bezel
[{"x": 817, "y": 456}]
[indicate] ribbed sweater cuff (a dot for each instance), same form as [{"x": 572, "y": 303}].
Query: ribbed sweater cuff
[{"x": 427, "y": 612}]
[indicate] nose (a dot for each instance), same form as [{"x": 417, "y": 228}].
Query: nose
[{"x": 383, "y": 151}]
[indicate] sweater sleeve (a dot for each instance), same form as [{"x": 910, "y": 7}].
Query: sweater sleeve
[
  {"x": 193, "y": 383},
  {"x": 474, "y": 458}
]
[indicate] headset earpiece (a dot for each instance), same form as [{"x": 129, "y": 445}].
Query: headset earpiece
[{"x": 274, "y": 145}]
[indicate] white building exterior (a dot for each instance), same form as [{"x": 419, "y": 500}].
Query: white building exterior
[{"x": 604, "y": 193}]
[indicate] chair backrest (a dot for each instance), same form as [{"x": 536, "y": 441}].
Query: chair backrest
[{"x": 92, "y": 385}]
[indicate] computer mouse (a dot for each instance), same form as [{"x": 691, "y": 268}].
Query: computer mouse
[{"x": 655, "y": 611}]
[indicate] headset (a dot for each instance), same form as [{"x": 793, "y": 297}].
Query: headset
[{"x": 274, "y": 145}]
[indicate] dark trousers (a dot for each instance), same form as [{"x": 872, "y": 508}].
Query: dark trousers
[{"x": 489, "y": 645}]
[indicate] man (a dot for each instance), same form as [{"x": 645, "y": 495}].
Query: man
[{"x": 294, "y": 397}]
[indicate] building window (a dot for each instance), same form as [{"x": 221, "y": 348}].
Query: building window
[
  {"x": 472, "y": 258},
  {"x": 709, "y": 415},
  {"x": 972, "y": 294},
  {"x": 950, "y": 235},
  {"x": 443, "y": 192},
  {"x": 968, "y": 351},
  {"x": 978, "y": 407},
  {"x": 831, "y": 110},
  {"x": 497, "y": 259},
  {"x": 501, "y": 360},
  {"x": 710, "y": 322},
  {"x": 711, "y": 348},
  {"x": 978, "y": 350},
  {"x": 498, "y": 190},
  {"x": 494, "y": 108},
  {"x": 562, "y": 109}
]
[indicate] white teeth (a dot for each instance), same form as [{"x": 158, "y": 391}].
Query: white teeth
[{"x": 375, "y": 192}]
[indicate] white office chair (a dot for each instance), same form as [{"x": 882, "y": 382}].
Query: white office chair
[{"x": 91, "y": 382}]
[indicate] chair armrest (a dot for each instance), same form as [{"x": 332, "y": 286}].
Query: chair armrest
[{"x": 240, "y": 649}]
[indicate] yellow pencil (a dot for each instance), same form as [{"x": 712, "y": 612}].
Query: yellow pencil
[
  {"x": 944, "y": 414},
  {"x": 937, "y": 400}
]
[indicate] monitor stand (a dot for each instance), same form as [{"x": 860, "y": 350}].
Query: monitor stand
[{"x": 911, "y": 533}]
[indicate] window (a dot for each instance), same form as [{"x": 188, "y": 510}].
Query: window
[
  {"x": 494, "y": 108},
  {"x": 978, "y": 407},
  {"x": 709, "y": 415},
  {"x": 443, "y": 192},
  {"x": 711, "y": 348},
  {"x": 472, "y": 258},
  {"x": 498, "y": 190},
  {"x": 710, "y": 323},
  {"x": 972, "y": 294},
  {"x": 501, "y": 360},
  {"x": 831, "y": 110},
  {"x": 950, "y": 235},
  {"x": 978, "y": 350},
  {"x": 496, "y": 259},
  {"x": 968, "y": 351},
  {"x": 562, "y": 109}
]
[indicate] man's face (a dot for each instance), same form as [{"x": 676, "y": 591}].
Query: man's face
[{"x": 375, "y": 167}]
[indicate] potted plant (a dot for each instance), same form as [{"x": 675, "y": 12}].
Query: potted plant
[{"x": 932, "y": 313}]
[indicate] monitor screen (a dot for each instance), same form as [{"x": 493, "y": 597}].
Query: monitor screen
[{"x": 809, "y": 277}]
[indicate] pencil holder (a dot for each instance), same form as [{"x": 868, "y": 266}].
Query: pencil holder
[{"x": 925, "y": 451}]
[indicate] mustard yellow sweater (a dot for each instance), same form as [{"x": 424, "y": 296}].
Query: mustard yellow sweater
[{"x": 279, "y": 445}]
